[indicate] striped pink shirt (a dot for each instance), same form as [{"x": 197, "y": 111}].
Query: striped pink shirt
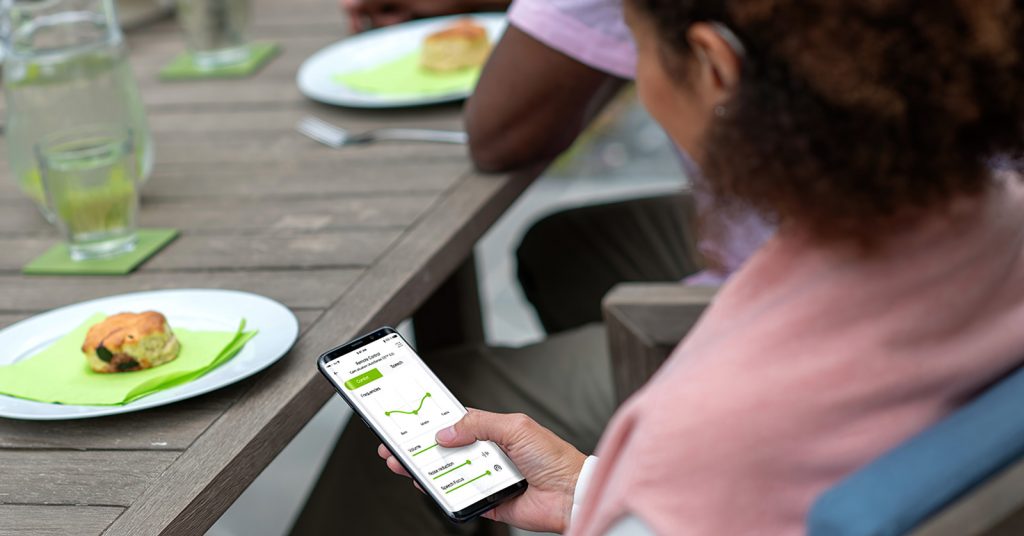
[{"x": 590, "y": 31}]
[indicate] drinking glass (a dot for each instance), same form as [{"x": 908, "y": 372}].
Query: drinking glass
[
  {"x": 66, "y": 66},
  {"x": 89, "y": 176},
  {"x": 215, "y": 31}
]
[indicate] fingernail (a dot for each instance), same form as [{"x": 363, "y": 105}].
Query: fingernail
[{"x": 446, "y": 434}]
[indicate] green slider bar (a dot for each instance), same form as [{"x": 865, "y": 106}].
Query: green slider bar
[
  {"x": 453, "y": 468},
  {"x": 488, "y": 473},
  {"x": 363, "y": 379},
  {"x": 421, "y": 451}
]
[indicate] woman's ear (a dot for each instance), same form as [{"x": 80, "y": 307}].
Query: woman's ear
[{"x": 719, "y": 64}]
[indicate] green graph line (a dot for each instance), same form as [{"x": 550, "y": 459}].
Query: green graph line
[
  {"x": 453, "y": 468},
  {"x": 488, "y": 473},
  {"x": 413, "y": 412},
  {"x": 421, "y": 451}
]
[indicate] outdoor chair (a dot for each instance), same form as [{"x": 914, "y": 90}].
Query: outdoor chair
[
  {"x": 963, "y": 476},
  {"x": 645, "y": 321}
]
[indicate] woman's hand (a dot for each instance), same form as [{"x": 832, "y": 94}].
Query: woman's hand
[
  {"x": 551, "y": 467},
  {"x": 366, "y": 14}
]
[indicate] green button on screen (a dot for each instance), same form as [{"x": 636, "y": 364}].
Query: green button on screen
[{"x": 363, "y": 379}]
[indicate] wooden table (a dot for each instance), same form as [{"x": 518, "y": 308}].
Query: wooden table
[{"x": 348, "y": 239}]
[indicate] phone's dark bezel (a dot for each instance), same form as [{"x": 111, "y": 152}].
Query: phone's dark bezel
[
  {"x": 461, "y": 516},
  {"x": 487, "y": 503}
]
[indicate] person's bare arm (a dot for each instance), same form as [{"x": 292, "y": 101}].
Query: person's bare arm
[
  {"x": 366, "y": 14},
  {"x": 531, "y": 103}
]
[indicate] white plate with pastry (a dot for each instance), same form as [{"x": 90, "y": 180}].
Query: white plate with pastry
[
  {"x": 440, "y": 46},
  {"x": 191, "y": 309}
]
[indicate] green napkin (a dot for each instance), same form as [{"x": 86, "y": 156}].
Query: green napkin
[
  {"x": 404, "y": 76},
  {"x": 182, "y": 68},
  {"x": 57, "y": 260},
  {"x": 60, "y": 374}
]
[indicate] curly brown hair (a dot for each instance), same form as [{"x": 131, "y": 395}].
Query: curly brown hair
[{"x": 854, "y": 116}]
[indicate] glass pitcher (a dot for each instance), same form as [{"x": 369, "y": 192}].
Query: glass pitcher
[{"x": 66, "y": 67}]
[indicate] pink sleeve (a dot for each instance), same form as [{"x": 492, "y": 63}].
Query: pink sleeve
[{"x": 590, "y": 31}]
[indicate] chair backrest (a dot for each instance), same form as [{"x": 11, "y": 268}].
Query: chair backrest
[{"x": 960, "y": 476}]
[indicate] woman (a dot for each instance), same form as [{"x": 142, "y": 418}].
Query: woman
[{"x": 892, "y": 291}]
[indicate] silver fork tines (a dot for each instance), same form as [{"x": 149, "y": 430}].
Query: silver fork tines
[{"x": 335, "y": 137}]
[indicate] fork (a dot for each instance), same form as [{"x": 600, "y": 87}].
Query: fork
[{"x": 335, "y": 137}]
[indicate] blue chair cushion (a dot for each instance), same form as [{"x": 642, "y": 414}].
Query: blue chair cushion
[{"x": 915, "y": 480}]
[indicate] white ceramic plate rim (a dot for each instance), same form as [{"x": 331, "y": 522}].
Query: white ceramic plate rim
[
  {"x": 210, "y": 309},
  {"x": 372, "y": 48}
]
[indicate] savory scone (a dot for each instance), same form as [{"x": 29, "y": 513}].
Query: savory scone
[
  {"x": 462, "y": 45},
  {"x": 130, "y": 341}
]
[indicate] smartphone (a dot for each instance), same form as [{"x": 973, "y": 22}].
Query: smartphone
[{"x": 405, "y": 404}]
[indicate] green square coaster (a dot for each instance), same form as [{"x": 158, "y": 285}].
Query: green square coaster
[
  {"x": 57, "y": 260},
  {"x": 182, "y": 68}
]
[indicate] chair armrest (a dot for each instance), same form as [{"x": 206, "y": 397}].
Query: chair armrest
[
  {"x": 960, "y": 476},
  {"x": 995, "y": 508},
  {"x": 644, "y": 322}
]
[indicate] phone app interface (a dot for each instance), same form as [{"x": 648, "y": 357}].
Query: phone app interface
[{"x": 394, "y": 389}]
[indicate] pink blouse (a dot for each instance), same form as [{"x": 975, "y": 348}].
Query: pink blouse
[{"x": 811, "y": 362}]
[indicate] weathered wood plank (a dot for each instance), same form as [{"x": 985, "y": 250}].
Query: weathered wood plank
[
  {"x": 267, "y": 22},
  {"x": 107, "y": 478},
  {"x": 334, "y": 249},
  {"x": 166, "y": 124},
  {"x": 294, "y": 216},
  {"x": 305, "y": 289},
  {"x": 228, "y": 93},
  {"x": 297, "y": 11},
  {"x": 299, "y": 167},
  {"x": 289, "y": 145},
  {"x": 307, "y": 318},
  {"x": 220, "y": 215},
  {"x": 312, "y": 7},
  {"x": 56, "y": 520},
  {"x": 172, "y": 427},
  {"x": 233, "y": 252},
  {"x": 200, "y": 485},
  {"x": 286, "y": 178}
]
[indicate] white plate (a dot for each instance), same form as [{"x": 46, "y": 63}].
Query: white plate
[
  {"x": 367, "y": 50},
  {"x": 197, "y": 309}
]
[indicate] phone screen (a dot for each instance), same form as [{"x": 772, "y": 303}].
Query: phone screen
[{"x": 405, "y": 403}]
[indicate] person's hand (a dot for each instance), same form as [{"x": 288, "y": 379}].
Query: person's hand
[
  {"x": 551, "y": 467},
  {"x": 366, "y": 14}
]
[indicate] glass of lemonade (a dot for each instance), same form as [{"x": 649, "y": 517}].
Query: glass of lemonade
[
  {"x": 89, "y": 175},
  {"x": 215, "y": 31}
]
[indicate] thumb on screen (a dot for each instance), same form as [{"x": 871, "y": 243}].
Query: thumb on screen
[{"x": 479, "y": 425}]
